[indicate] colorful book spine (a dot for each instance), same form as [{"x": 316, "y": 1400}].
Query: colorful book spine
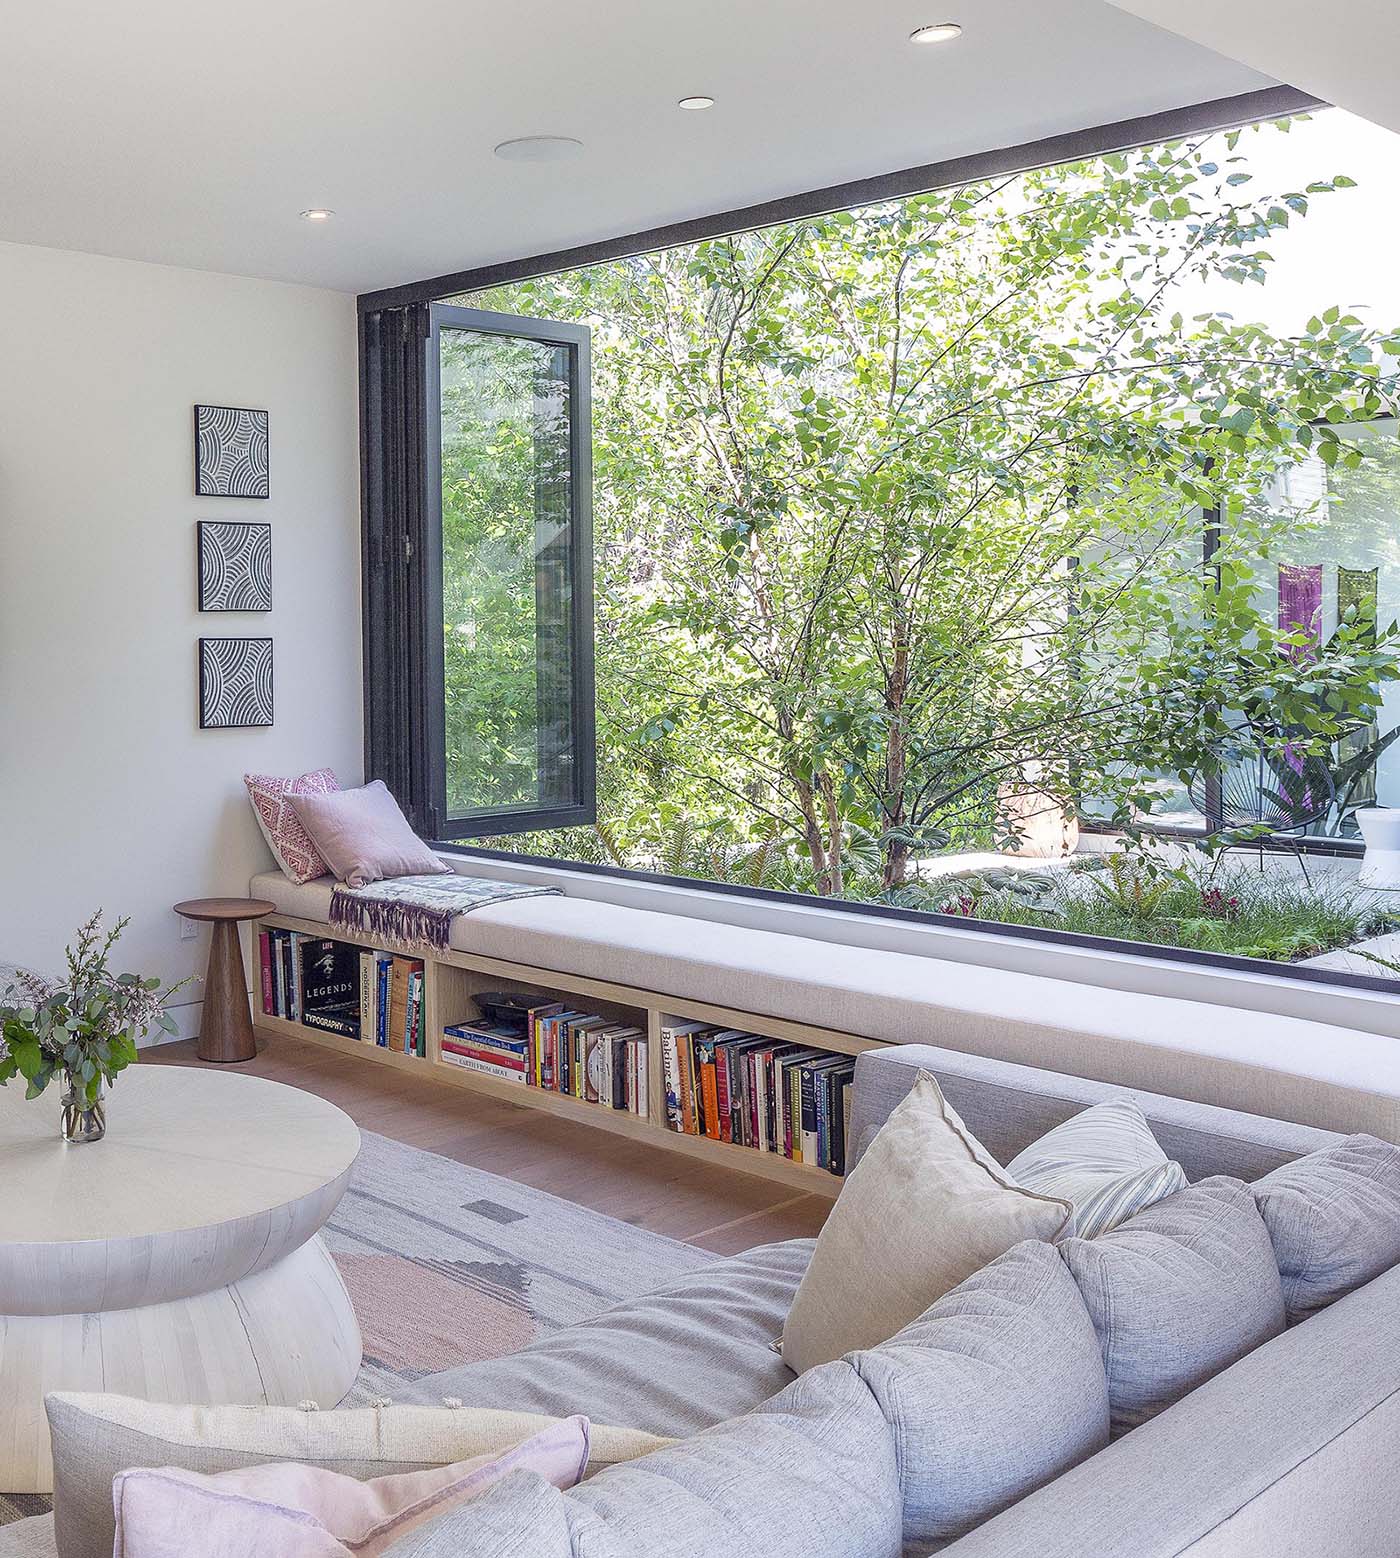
[
  {"x": 413, "y": 1021},
  {"x": 670, "y": 1079},
  {"x": 265, "y": 970},
  {"x": 294, "y": 975},
  {"x": 381, "y": 1015},
  {"x": 483, "y": 1053},
  {"x": 368, "y": 996},
  {"x": 808, "y": 1107},
  {"x": 279, "y": 974},
  {"x": 821, "y": 1108}
]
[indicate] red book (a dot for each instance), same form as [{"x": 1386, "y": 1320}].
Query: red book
[
  {"x": 494, "y": 1057},
  {"x": 726, "y": 1132}
]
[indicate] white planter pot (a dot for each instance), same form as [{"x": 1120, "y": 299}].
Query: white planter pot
[{"x": 1380, "y": 827}]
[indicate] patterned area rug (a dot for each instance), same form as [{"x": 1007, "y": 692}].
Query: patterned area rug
[{"x": 448, "y": 1264}]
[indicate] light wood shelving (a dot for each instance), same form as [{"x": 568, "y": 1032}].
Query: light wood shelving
[{"x": 452, "y": 979}]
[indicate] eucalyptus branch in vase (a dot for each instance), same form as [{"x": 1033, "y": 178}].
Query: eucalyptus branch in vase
[{"x": 83, "y": 1027}]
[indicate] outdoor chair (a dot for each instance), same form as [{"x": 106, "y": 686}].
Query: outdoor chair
[{"x": 1277, "y": 795}]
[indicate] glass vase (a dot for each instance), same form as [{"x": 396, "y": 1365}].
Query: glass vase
[{"x": 82, "y": 1121}]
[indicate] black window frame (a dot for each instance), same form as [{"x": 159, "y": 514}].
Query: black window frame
[
  {"x": 583, "y": 809},
  {"x": 392, "y": 505}
]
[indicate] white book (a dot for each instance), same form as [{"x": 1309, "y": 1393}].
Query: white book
[
  {"x": 369, "y": 996},
  {"x": 486, "y": 1067},
  {"x": 639, "y": 1091}
]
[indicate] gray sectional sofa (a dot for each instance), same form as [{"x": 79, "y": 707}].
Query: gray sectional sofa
[{"x": 1289, "y": 1451}]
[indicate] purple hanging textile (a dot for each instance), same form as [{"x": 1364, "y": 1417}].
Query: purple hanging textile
[{"x": 1300, "y": 609}]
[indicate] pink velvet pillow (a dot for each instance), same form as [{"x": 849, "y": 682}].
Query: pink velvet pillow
[
  {"x": 286, "y": 838},
  {"x": 363, "y": 836},
  {"x": 308, "y": 1512}
]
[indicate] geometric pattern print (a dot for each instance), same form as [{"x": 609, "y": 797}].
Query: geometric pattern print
[
  {"x": 1105, "y": 1161},
  {"x": 230, "y": 452},
  {"x": 235, "y": 566},
  {"x": 235, "y": 683},
  {"x": 281, "y": 827}
]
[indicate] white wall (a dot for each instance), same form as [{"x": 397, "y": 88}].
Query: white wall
[{"x": 110, "y": 794}]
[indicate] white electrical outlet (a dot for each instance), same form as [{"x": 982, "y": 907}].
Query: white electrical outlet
[{"x": 189, "y": 929}]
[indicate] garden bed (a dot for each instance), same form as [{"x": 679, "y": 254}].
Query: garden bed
[{"x": 1234, "y": 908}]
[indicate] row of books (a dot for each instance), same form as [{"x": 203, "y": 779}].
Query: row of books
[
  {"x": 376, "y": 997},
  {"x": 581, "y": 1054},
  {"x": 761, "y": 1093}
]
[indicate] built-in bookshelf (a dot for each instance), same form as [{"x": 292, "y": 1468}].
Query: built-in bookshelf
[{"x": 762, "y": 1094}]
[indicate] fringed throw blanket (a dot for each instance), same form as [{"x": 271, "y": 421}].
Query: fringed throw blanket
[{"x": 417, "y": 911}]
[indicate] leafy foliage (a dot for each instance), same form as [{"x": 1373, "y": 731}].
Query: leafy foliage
[
  {"x": 1238, "y": 910},
  {"x": 84, "y": 1027},
  {"x": 899, "y": 520}
]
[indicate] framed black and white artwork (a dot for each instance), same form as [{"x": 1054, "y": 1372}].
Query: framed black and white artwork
[
  {"x": 235, "y": 683},
  {"x": 230, "y": 452},
  {"x": 235, "y": 566}
]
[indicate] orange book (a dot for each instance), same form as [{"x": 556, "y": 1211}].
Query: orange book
[{"x": 709, "y": 1097}]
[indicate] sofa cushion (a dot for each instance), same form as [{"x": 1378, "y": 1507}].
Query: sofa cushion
[
  {"x": 694, "y": 1352},
  {"x": 811, "y": 1471},
  {"x": 1290, "y": 1453},
  {"x": 1178, "y": 1294},
  {"x": 1105, "y": 1161},
  {"x": 32, "y": 1538},
  {"x": 993, "y": 1392},
  {"x": 96, "y": 1436},
  {"x": 925, "y": 1207},
  {"x": 521, "y": 1517},
  {"x": 1334, "y": 1218}
]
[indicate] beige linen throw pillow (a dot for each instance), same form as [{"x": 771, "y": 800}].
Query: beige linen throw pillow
[{"x": 923, "y": 1209}]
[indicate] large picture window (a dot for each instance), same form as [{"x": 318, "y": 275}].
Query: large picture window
[{"x": 1016, "y": 551}]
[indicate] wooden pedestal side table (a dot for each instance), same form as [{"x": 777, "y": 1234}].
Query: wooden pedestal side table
[{"x": 226, "y": 1031}]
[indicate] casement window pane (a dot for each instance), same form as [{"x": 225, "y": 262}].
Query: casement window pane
[{"x": 507, "y": 580}]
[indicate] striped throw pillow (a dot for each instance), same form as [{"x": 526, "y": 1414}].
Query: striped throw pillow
[{"x": 1105, "y": 1162}]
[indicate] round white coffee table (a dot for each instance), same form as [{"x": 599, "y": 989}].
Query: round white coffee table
[{"x": 176, "y": 1260}]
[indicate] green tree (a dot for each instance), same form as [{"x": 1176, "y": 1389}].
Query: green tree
[{"x": 899, "y": 514}]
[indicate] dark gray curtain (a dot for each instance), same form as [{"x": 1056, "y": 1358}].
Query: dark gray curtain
[{"x": 394, "y": 555}]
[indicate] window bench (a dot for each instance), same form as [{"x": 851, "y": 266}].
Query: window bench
[{"x": 793, "y": 987}]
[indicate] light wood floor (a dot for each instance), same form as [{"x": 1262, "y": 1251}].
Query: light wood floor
[{"x": 713, "y": 1207}]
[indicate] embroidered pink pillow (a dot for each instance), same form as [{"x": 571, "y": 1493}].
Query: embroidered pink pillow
[
  {"x": 309, "y": 1512},
  {"x": 286, "y": 838},
  {"x": 363, "y": 836}
]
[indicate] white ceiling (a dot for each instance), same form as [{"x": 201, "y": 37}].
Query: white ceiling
[
  {"x": 194, "y": 134},
  {"x": 1347, "y": 52}
]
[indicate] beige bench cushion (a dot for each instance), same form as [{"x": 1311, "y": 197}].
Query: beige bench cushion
[{"x": 1285, "y": 1067}]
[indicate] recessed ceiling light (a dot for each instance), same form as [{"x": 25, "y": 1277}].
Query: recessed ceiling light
[
  {"x": 539, "y": 148},
  {"x": 695, "y": 104},
  {"x": 317, "y": 214},
  {"x": 937, "y": 32}
]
